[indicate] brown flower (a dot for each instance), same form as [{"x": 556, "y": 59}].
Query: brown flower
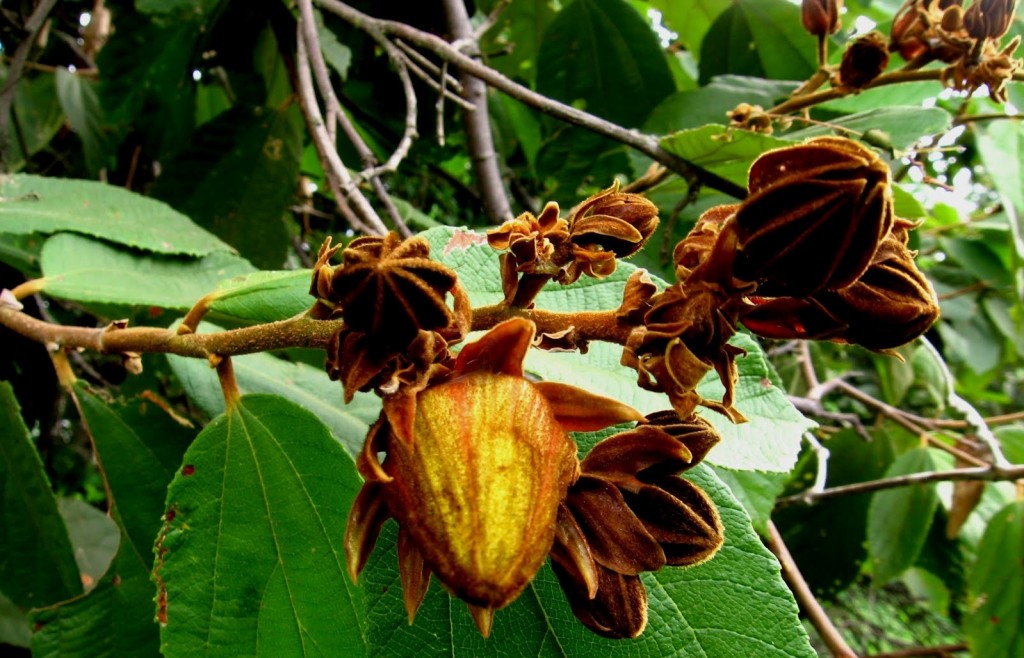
[
  {"x": 864, "y": 60},
  {"x": 539, "y": 245},
  {"x": 477, "y": 464},
  {"x": 814, "y": 218},
  {"x": 628, "y": 513}
]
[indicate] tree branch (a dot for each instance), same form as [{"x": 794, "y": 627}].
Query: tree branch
[
  {"x": 478, "y": 122},
  {"x": 921, "y": 652},
  {"x": 983, "y": 473},
  {"x": 805, "y": 597},
  {"x": 307, "y": 27},
  {"x": 646, "y": 144}
]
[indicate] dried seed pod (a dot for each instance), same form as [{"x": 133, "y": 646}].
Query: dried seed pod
[
  {"x": 864, "y": 60},
  {"x": 814, "y": 219},
  {"x": 890, "y": 305},
  {"x": 539, "y": 244},
  {"x": 614, "y": 221},
  {"x": 390, "y": 289}
]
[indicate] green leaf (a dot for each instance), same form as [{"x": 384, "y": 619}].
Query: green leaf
[
  {"x": 37, "y": 563},
  {"x": 115, "y": 619},
  {"x": 763, "y": 38},
  {"x": 337, "y": 54},
  {"x": 603, "y": 53},
  {"x": 139, "y": 449},
  {"x": 147, "y": 86},
  {"x": 995, "y": 624},
  {"x": 520, "y": 28},
  {"x": 35, "y": 204},
  {"x": 94, "y": 537},
  {"x": 733, "y": 606},
  {"x": 303, "y": 384},
  {"x": 263, "y": 296},
  {"x": 690, "y": 20},
  {"x": 250, "y": 557},
  {"x": 770, "y": 441},
  {"x": 709, "y": 104},
  {"x": 15, "y": 628},
  {"x": 756, "y": 491},
  {"x": 836, "y": 528},
  {"x": 237, "y": 178},
  {"x": 39, "y": 117},
  {"x": 899, "y": 519},
  {"x": 904, "y": 125},
  {"x": 87, "y": 270},
  {"x": 81, "y": 106},
  {"x": 1001, "y": 146},
  {"x": 1011, "y": 437},
  {"x": 726, "y": 152}
]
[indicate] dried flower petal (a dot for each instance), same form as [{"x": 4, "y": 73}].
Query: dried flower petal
[
  {"x": 820, "y": 17},
  {"x": 864, "y": 60},
  {"x": 618, "y": 611},
  {"x": 680, "y": 517},
  {"x": 619, "y": 222}
]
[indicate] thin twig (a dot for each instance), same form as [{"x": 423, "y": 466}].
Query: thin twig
[
  {"x": 440, "y": 87},
  {"x": 646, "y": 144},
  {"x": 338, "y": 178},
  {"x": 32, "y": 26},
  {"x": 974, "y": 473},
  {"x": 828, "y": 632},
  {"x": 922, "y": 652},
  {"x": 447, "y": 80},
  {"x": 491, "y": 20},
  {"x": 478, "y": 123},
  {"x": 307, "y": 26}
]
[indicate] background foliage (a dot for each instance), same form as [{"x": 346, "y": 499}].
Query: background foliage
[{"x": 165, "y": 158}]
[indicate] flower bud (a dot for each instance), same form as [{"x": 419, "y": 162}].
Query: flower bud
[
  {"x": 989, "y": 19},
  {"x": 864, "y": 60},
  {"x": 814, "y": 218},
  {"x": 820, "y": 17}
]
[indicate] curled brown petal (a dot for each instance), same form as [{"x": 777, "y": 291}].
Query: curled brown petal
[
  {"x": 616, "y": 538},
  {"x": 628, "y": 453},
  {"x": 697, "y": 434},
  {"x": 618, "y": 611},
  {"x": 578, "y": 410}
]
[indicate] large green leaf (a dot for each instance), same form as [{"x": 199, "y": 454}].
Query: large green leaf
[
  {"x": 237, "y": 178},
  {"x": 759, "y": 38},
  {"x": 35, "y": 204},
  {"x": 39, "y": 118},
  {"x": 147, "y": 86},
  {"x": 899, "y": 519},
  {"x": 37, "y": 563},
  {"x": 94, "y": 537},
  {"x": 726, "y": 152},
  {"x": 711, "y": 103},
  {"x": 265, "y": 296},
  {"x": 603, "y": 53},
  {"x": 139, "y": 448},
  {"x": 1001, "y": 146},
  {"x": 734, "y": 606},
  {"x": 250, "y": 557},
  {"x": 837, "y": 527},
  {"x": 87, "y": 270},
  {"x": 15, "y": 628},
  {"x": 82, "y": 109},
  {"x": 903, "y": 125},
  {"x": 995, "y": 625},
  {"x": 520, "y": 27},
  {"x": 303, "y": 384}
]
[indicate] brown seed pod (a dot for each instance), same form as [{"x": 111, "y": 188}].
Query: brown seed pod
[{"x": 814, "y": 218}]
